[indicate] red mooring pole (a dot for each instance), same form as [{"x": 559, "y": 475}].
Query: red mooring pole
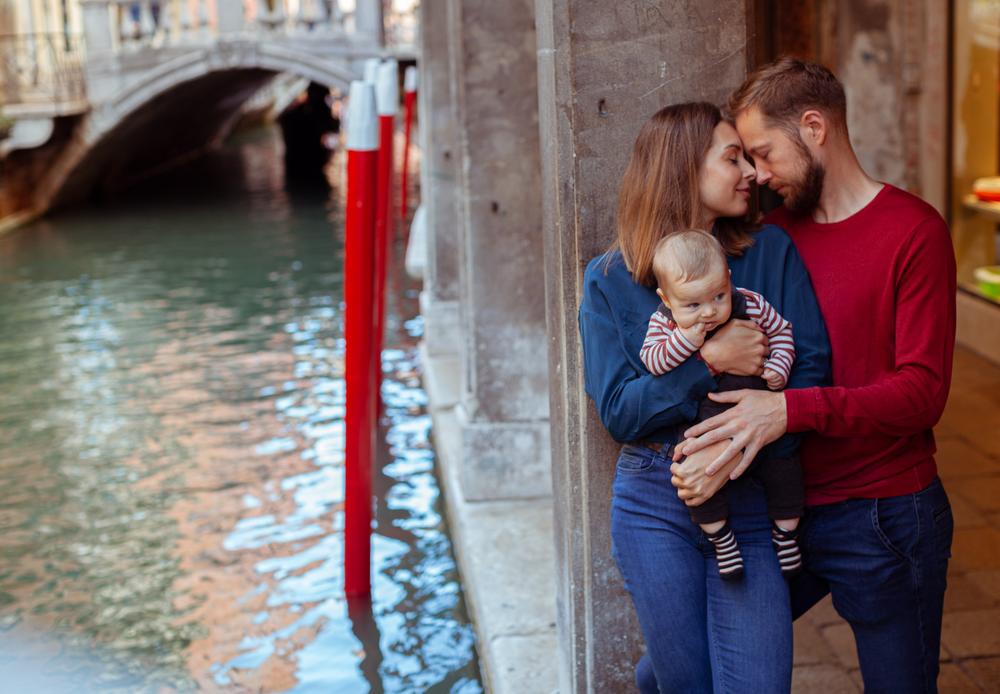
[
  {"x": 409, "y": 101},
  {"x": 387, "y": 104},
  {"x": 359, "y": 265}
]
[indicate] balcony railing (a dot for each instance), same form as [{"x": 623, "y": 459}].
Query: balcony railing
[{"x": 41, "y": 71}]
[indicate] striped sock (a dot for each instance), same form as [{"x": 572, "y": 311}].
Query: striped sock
[
  {"x": 786, "y": 544},
  {"x": 727, "y": 553}
]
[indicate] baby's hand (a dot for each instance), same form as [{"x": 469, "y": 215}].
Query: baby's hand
[
  {"x": 695, "y": 334},
  {"x": 774, "y": 380}
]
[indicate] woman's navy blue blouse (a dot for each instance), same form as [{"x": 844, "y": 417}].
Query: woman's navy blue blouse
[{"x": 614, "y": 314}]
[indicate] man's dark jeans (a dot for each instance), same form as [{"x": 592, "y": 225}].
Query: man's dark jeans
[{"x": 885, "y": 562}]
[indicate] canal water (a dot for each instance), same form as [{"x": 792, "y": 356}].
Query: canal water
[{"x": 171, "y": 450}]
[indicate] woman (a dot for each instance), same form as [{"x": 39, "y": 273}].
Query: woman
[{"x": 702, "y": 634}]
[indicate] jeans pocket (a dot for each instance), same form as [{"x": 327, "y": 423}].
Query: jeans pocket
[
  {"x": 942, "y": 524},
  {"x": 634, "y": 459},
  {"x": 896, "y": 522}
]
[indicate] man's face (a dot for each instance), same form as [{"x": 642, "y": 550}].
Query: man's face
[{"x": 783, "y": 161}]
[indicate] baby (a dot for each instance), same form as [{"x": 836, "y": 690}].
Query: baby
[{"x": 698, "y": 298}]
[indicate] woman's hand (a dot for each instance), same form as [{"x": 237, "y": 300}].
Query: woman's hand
[
  {"x": 694, "y": 485},
  {"x": 739, "y": 348}
]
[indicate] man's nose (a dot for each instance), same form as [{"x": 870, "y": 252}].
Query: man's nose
[{"x": 763, "y": 175}]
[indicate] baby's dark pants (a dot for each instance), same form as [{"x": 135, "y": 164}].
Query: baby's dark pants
[{"x": 781, "y": 477}]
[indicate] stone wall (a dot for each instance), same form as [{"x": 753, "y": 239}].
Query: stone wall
[
  {"x": 603, "y": 70},
  {"x": 892, "y": 56}
]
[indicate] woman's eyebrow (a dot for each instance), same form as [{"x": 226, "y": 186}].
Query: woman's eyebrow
[{"x": 733, "y": 145}]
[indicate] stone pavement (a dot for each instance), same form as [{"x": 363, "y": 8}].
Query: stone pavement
[
  {"x": 968, "y": 458},
  {"x": 506, "y": 555}
]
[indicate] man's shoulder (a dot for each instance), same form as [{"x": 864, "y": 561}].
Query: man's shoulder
[
  {"x": 905, "y": 219},
  {"x": 908, "y": 207}
]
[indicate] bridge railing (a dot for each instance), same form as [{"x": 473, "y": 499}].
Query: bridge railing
[
  {"x": 118, "y": 26},
  {"x": 41, "y": 72}
]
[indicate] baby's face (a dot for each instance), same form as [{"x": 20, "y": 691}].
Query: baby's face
[{"x": 707, "y": 300}]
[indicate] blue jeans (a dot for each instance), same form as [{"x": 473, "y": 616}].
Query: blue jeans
[
  {"x": 702, "y": 634},
  {"x": 885, "y": 562}
]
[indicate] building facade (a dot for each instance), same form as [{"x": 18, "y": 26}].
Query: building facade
[{"x": 527, "y": 131}]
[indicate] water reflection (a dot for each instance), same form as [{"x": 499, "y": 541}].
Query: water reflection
[{"x": 172, "y": 399}]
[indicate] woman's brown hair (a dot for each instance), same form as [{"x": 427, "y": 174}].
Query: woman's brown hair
[{"x": 659, "y": 192}]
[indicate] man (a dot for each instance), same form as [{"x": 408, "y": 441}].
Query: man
[{"x": 878, "y": 530}]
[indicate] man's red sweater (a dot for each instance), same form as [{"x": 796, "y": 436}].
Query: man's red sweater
[{"x": 885, "y": 282}]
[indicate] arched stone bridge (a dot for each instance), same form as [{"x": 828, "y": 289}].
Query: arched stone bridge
[{"x": 164, "y": 78}]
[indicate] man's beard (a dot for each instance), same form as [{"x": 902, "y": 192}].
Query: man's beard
[{"x": 804, "y": 196}]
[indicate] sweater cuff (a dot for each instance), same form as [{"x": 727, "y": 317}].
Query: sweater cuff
[{"x": 801, "y": 409}]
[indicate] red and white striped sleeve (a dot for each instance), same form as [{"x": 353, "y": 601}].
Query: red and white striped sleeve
[
  {"x": 778, "y": 330},
  {"x": 664, "y": 348}
]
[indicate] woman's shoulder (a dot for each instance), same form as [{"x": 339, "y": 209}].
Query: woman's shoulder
[
  {"x": 771, "y": 244},
  {"x": 606, "y": 269},
  {"x": 771, "y": 237},
  {"x": 608, "y": 287}
]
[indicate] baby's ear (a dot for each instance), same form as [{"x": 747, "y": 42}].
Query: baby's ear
[{"x": 663, "y": 298}]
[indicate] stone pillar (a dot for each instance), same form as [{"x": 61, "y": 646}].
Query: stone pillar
[
  {"x": 438, "y": 172},
  {"x": 602, "y": 72},
  {"x": 503, "y": 408}
]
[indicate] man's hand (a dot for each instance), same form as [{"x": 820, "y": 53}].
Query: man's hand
[
  {"x": 739, "y": 348},
  {"x": 758, "y": 418},
  {"x": 694, "y": 487}
]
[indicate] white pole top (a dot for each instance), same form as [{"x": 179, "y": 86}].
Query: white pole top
[
  {"x": 387, "y": 89},
  {"x": 411, "y": 79},
  {"x": 371, "y": 70},
  {"x": 362, "y": 123}
]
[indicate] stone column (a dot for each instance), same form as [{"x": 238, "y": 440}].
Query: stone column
[
  {"x": 602, "y": 71},
  {"x": 503, "y": 408},
  {"x": 438, "y": 172}
]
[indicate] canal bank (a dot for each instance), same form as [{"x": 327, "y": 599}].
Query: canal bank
[{"x": 506, "y": 556}]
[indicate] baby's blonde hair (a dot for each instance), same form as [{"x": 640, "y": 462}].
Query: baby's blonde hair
[{"x": 684, "y": 255}]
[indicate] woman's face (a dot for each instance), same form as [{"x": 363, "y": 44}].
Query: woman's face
[{"x": 724, "y": 179}]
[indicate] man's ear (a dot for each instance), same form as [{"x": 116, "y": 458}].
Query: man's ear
[
  {"x": 814, "y": 127},
  {"x": 663, "y": 297}
]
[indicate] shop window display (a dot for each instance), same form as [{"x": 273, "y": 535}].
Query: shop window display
[{"x": 976, "y": 146}]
